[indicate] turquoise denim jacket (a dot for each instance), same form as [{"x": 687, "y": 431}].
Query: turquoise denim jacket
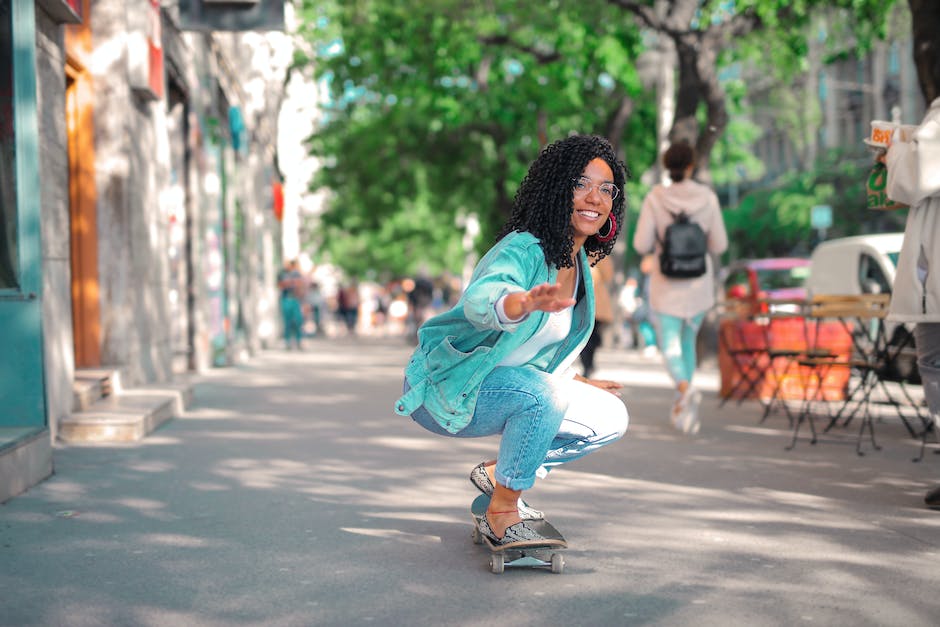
[{"x": 458, "y": 348}]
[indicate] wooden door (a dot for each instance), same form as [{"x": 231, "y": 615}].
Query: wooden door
[{"x": 86, "y": 310}]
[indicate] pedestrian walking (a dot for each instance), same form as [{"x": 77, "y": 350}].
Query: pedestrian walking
[
  {"x": 499, "y": 361},
  {"x": 914, "y": 179},
  {"x": 291, "y": 283},
  {"x": 316, "y": 306},
  {"x": 420, "y": 298},
  {"x": 347, "y": 303},
  {"x": 681, "y": 288}
]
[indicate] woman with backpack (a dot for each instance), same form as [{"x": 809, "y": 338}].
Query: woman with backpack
[{"x": 682, "y": 224}]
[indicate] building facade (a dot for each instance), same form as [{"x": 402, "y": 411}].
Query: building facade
[
  {"x": 138, "y": 227},
  {"x": 830, "y": 105}
]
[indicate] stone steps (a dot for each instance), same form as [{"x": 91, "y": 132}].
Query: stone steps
[
  {"x": 92, "y": 384},
  {"x": 105, "y": 412}
]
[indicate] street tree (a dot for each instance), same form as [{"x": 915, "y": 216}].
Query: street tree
[
  {"x": 437, "y": 107},
  {"x": 775, "y": 219},
  {"x": 707, "y": 33}
]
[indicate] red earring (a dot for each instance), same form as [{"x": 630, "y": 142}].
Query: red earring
[{"x": 611, "y": 225}]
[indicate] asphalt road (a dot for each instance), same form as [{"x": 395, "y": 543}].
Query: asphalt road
[{"x": 291, "y": 494}]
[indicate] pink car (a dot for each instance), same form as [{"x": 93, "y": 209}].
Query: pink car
[{"x": 775, "y": 278}]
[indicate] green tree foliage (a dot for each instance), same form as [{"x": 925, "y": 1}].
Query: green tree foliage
[
  {"x": 775, "y": 221},
  {"x": 437, "y": 107},
  {"x": 706, "y": 34}
]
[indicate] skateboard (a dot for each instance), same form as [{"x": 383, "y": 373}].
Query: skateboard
[{"x": 529, "y": 553}]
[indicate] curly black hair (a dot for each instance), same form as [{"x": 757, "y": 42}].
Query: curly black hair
[{"x": 544, "y": 201}]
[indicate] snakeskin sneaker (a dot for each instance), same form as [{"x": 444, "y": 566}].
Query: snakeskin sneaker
[
  {"x": 520, "y": 532},
  {"x": 481, "y": 480}
]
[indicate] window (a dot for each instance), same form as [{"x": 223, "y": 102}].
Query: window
[
  {"x": 871, "y": 277},
  {"x": 782, "y": 279}
]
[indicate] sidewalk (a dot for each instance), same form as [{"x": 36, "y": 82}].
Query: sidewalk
[{"x": 289, "y": 493}]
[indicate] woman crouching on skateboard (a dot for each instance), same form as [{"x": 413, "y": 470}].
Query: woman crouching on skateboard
[{"x": 500, "y": 360}]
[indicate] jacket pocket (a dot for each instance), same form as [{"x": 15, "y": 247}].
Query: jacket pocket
[
  {"x": 446, "y": 361},
  {"x": 452, "y": 371}
]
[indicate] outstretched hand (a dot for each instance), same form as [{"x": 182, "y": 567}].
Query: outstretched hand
[{"x": 545, "y": 297}]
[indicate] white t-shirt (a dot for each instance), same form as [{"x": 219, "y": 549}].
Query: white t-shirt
[{"x": 554, "y": 331}]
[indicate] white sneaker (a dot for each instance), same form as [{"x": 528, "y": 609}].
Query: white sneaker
[
  {"x": 691, "y": 423},
  {"x": 679, "y": 410},
  {"x": 675, "y": 418}
]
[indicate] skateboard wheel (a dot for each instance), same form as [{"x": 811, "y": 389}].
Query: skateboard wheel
[
  {"x": 477, "y": 536},
  {"x": 497, "y": 564},
  {"x": 558, "y": 563}
]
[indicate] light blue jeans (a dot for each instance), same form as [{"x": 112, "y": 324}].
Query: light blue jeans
[
  {"x": 676, "y": 339},
  {"x": 545, "y": 420},
  {"x": 293, "y": 318}
]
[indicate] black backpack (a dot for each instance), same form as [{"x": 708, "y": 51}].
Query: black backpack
[{"x": 685, "y": 246}]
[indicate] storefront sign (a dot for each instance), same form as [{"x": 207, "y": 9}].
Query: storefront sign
[
  {"x": 231, "y": 15},
  {"x": 278, "y": 205},
  {"x": 820, "y": 216},
  {"x": 145, "y": 50},
  {"x": 155, "y": 50}
]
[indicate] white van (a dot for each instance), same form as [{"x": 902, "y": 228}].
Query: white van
[{"x": 863, "y": 264}]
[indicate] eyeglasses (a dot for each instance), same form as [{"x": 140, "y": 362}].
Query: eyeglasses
[{"x": 583, "y": 186}]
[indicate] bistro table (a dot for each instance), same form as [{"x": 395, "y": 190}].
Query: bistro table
[
  {"x": 760, "y": 344},
  {"x": 872, "y": 355}
]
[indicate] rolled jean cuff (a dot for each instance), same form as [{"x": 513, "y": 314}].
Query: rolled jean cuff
[{"x": 519, "y": 483}]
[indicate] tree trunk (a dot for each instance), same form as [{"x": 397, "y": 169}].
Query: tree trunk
[
  {"x": 810, "y": 115},
  {"x": 697, "y": 52},
  {"x": 925, "y": 16},
  {"x": 716, "y": 119},
  {"x": 698, "y": 82},
  {"x": 685, "y": 123},
  {"x": 616, "y": 123}
]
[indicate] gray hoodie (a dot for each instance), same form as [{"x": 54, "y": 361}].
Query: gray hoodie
[{"x": 683, "y": 298}]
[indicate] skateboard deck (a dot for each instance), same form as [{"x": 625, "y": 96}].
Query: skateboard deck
[{"x": 529, "y": 553}]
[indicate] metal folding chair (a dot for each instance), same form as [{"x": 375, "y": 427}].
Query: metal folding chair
[
  {"x": 879, "y": 364},
  {"x": 745, "y": 348},
  {"x": 862, "y": 318},
  {"x": 786, "y": 342}
]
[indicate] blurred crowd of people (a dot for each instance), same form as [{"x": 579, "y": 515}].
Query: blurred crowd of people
[
  {"x": 312, "y": 307},
  {"x": 316, "y": 307}
]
